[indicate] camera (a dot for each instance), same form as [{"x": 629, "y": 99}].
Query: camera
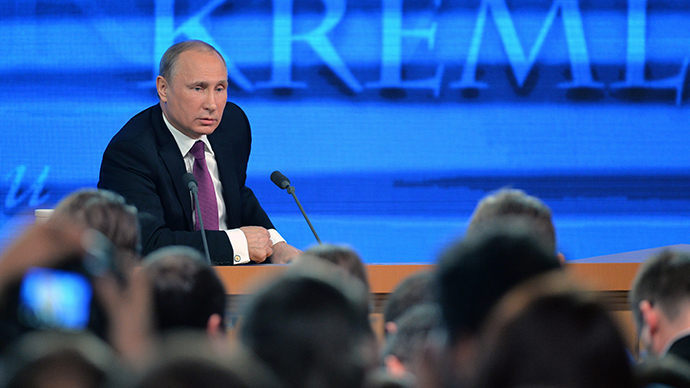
[
  {"x": 63, "y": 298},
  {"x": 55, "y": 299}
]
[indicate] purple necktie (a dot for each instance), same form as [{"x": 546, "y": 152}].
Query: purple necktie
[{"x": 207, "y": 194}]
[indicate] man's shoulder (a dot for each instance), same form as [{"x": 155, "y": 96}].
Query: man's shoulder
[
  {"x": 233, "y": 116},
  {"x": 140, "y": 126},
  {"x": 670, "y": 370},
  {"x": 233, "y": 109},
  {"x": 681, "y": 346}
]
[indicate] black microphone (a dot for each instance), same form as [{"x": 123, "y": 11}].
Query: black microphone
[
  {"x": 280, "y": 180},
  {"x": 283, "y": 183},
  {"x": 190, "y": 182}
]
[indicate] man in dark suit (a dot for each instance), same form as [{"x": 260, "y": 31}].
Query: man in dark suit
[
  {"x": 192, "y": 129},
  {"x": 660, "y": 302}
]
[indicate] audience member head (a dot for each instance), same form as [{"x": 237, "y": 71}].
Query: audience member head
[
  {"x": 415, "y": 289},
  {"x": 191, "y": 360},
  {"x": 548, "y": 333},
  {"x": 474, "y": 273},
  {"x": 311, "y": 327},
  {"x": 509, "y": 203},
  {"x": 187, "y": 292},
  {"x": 404, "y": 349},
  {"x": 343, "y": 257},
  {"x": 660, "y": 300},
  {"x": 191, "y": 372},
  {"x": 108, "y": 213},
  {"x": 45, "y": 359}
]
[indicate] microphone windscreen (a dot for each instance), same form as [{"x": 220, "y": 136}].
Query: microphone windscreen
[
  {"x": 280, "y": 180},
  {"x": 189, "y": 180}
]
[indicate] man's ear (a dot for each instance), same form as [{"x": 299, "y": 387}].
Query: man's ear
[
  {"x": 162, "y": 88},
  {"x": 650, "y": 316},
  {"x": 214, "y": 327},
  {"x": 561, "y": 258}
]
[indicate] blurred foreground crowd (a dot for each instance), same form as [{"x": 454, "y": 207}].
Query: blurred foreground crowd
[{"x": 499, "y": 309}]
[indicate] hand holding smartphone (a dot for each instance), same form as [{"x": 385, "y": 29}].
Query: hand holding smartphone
[{"x": 61, "y": 299}]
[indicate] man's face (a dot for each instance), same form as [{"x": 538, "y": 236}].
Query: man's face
[{"x": 194, "y": 99}]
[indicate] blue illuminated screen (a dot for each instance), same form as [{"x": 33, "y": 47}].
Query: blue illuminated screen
[{"x": 391, "y": 118}]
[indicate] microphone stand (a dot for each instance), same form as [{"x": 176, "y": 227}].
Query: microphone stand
[
  {"x": 189, "y": 179},
  {"x": 291, "y": 190},
  {"x": 195, "y": 194}
]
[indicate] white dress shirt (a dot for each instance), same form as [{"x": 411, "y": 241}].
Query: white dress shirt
[{"x": 237, "y": 238}]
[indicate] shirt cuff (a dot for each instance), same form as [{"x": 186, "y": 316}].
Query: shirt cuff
[
  {"x": 275, "y": 236},
  {"x": 239, "y": 246}
]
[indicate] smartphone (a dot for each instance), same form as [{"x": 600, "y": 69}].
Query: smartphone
[{"x": 55, "y": 299}]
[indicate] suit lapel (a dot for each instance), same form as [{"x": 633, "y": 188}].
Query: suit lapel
[{"x": 169, "y": 153}]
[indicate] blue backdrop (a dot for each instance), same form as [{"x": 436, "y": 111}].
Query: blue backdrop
[{"x": 391, "y": 118}]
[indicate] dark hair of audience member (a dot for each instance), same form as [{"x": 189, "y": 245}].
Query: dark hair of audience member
[
  {"x": 405, "y": 348},
  {"x": 187, "y": 291},
  {"x": 415, "y": 289},
  {"x": 664, "y": 281},
  {"x": 344, "y": 257},
  {"x": 191, "y": 373},
  {"x": 474, "y": 273},
  {"x": 190, "y": 359},
  {"x": 58, "y": 359},
  {"x": 311, "y": 327},
  {"x": 516, "y": 203},
  {"x": 108, "y": 213},
  {"x": 552, "y": 338}
]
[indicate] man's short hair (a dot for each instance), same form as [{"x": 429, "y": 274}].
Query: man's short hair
[
  {"x": 414, "y": 326},
  {"x": 474, "y": 273},
  {"x": 344, "y": 257},
  {"x": 516, "y": 203},
  {"x": 168, "y": 65},
  {"x": 191, "y": 359},
  {"x": 108, "y": 213},
  {"x": 40, "y": 358},
  {"x": 191, "y": 373},
  {"x": 664, "y": 281},
  {"x": 553, "y": 339},
  {"x": 310, "y": 326},
  {"x": 187, "y": 290},
  {"x": 415, "y": 289}
]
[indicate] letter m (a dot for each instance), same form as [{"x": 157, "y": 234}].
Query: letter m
[{"x": 520, "y": 63}]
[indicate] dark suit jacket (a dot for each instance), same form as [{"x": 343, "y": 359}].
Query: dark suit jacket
[
  {"x": 671, "y": 370},
  {"x": 143, "y": 163},
  {"x": 681, "y": 348}
]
